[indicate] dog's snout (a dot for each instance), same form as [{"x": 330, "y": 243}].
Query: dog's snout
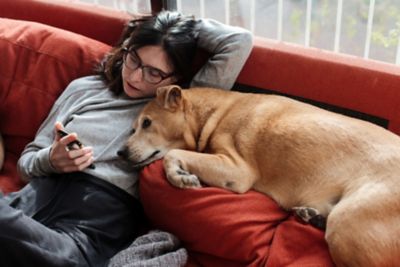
[{"x": 123, "y": 152}]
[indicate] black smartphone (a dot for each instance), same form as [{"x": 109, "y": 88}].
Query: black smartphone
[{"x": 76, "y": 144}]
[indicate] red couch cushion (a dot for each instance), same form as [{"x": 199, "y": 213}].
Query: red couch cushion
[
  {"x": 220, "y": 228},
  {"x": 95, "y": 21},
  {"x": 38, "y": 62}
]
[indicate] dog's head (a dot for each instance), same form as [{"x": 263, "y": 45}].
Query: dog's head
[{"x": 158, "y": 128}]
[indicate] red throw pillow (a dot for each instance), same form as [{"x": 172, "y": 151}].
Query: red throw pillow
[
  {"x": 221, "y": 228},
  {"x": 38, "y": 62}
]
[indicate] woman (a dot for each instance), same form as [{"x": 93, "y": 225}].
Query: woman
[{"x": 81, "y": 204}]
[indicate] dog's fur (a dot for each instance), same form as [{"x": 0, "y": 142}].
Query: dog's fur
[
  {"x": 298, "y": 154},
  {"x": 1, "y": 152}
]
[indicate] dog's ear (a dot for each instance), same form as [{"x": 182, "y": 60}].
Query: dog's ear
[{"x": 169, "y": 97}]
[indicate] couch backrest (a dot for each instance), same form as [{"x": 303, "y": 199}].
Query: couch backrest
[{"x": 357, "y": 87}]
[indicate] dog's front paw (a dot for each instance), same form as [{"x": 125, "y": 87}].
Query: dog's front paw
[
  {"x": 179, "y": 177},
  {"x": 311, "y": 216},
  {"x": 187, "y": 179}
]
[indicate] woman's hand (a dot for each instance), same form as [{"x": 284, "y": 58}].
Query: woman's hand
[{"x": 66, "y": 160}]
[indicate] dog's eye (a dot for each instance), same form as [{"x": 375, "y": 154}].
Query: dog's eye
[
  {"x": 133, "y": 131},
  {"x": 146, "y": 123}
]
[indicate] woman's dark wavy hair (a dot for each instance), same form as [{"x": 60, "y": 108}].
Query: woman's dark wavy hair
[{"x": 174, "y": 32}]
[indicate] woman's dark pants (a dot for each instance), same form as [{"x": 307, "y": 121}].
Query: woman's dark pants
[{"x": 67, "y": 220}]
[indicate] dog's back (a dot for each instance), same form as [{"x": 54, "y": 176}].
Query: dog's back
[{"x": 299, "y": 146}]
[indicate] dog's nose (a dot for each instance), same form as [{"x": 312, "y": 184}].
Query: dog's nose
[{"x": 123, "y": 153}]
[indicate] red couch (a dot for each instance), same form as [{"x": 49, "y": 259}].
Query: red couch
[{"x": 219, "y": 228}]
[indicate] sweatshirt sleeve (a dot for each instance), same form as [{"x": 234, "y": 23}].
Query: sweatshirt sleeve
[
  {"x": 229, "y": 47},
  {"x": 35, "y": 159}
]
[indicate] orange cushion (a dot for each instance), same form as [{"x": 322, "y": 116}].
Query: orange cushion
[
  {"x": 221, "y": 228},
  {"x": 38, "y": 63}
]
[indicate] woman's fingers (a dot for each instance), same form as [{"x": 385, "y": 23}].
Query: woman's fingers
[
  {"x": 79, "y": 163},
  {"x": 68, "y": 140},
  {"x": 67, "y": 154},
  {"x": 82, "y": 159},
  {"x": 86, "y": 163},
  {"x": 73, "y": 154},
  {"x": 58, "y": 126},
  {"x": 76, "y": 160}
]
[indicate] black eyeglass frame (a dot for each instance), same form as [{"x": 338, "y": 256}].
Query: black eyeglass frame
[{"x": 127, "y": 52}]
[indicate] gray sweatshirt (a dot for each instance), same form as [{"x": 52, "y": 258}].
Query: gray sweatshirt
[{"x": 103, "y": 120}]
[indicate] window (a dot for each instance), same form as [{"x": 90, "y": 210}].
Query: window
[
  {"x": 364, "y": 28},
  {"x": 132, "y": 6}
]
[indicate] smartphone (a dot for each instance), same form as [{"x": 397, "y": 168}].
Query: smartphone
[{"x": 76, "y": 144}]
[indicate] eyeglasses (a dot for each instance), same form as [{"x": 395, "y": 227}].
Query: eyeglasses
[{"x": 151, "y": 75}]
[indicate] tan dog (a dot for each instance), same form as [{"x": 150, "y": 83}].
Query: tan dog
[{"x": 300, "y": 155}]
